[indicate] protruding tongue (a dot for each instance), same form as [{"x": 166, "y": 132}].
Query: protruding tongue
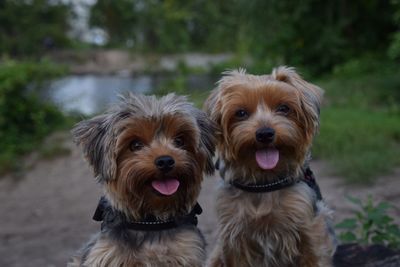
[
  {"x": 267, "y": 158},
  {"x": 166, "y": 187}
]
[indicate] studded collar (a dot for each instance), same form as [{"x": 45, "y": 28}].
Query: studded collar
[{"x": 263, "y": 188}]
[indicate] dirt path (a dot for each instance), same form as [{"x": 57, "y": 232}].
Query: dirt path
[{"x": 46, "y": 215}]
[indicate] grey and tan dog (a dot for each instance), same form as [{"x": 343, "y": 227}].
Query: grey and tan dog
[
  {"x": 149, "y": 155},
  {"x": 268, "y": 213}
]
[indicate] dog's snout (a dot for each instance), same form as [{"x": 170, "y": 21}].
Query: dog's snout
[
  {"x": 164, "y": 163},
  {"x": 265, "y": 135}
]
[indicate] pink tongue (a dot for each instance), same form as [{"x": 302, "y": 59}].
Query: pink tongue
[
  {"x": 267, "y": 158},
  {"x": 166, "y": 187}
]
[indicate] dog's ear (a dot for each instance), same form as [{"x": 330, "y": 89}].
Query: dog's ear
[
  {"x": 311, "y": 95},
  {"x": 214, "y": 103},
  {"x": 95, "y": 136},
  {"x": 208, "y": 135},
  {"x": 212, "y": 106}
]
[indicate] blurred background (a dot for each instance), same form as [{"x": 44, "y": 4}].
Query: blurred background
[{"x": 65, "y": 60}]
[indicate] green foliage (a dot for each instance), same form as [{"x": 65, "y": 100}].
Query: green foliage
[
  {"x": 317, "y": 34},
  {"x": 178, "y": 84},
  {"x": 311, "y": 33},
  {"x": 24, "y": 118},
  {"x": 116, "y": 17},
  {"x": 166, "y": 26},
  {"x": 359, "y": 143},
  {"x": 360, "y": 129},
  {"x": 31, "y": 27},
  {"x": 370, "y": 225},
  {"x": 394, "y": 49}
]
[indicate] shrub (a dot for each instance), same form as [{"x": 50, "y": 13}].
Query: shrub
[
  {"x": 370, "y": 225},
  {"x": 24, "y": 118}
]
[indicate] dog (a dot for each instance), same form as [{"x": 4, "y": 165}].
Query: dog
[
  {"x": 269, "y": 208},
  {"x": 149, "y": 155}
]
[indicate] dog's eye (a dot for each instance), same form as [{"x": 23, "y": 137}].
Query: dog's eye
[
  {"x": 136, "y": 145},
  {"x": 179, "y": 141},
  {"x": 283, "y": 109},
  {"x": 241, "y": 114}
]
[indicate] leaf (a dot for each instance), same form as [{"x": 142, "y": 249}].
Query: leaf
[
  {"x": 355, "y": 200},
  {"x": 347, "y": 224},
  {"x": 360, "y": 216},
  {"x": 379, "y": 218},
  {"x": 347, "y": 237},
  {"x": 383, "y": 206},
  {"x": 367, "y": 225},
  {"x": 394, "y": 230},
  {"x": 379, "y": 239}
]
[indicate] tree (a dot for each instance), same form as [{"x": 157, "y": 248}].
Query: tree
[
  {"x": 117, "y": 18},
  {"x": 32, "y": 27},
  {"x": 316, "y": 33}
]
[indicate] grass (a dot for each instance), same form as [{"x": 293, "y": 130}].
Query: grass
[
  {"x": 360, "y": 123},
  {"x": 360, "y": 144}
]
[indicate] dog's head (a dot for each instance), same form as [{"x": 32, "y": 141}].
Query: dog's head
[
  {"x": 149, "y": 153},
  {"x": 267, "y": 122}
]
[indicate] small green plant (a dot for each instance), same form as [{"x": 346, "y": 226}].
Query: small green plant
[{"x": 370, "y": 225}]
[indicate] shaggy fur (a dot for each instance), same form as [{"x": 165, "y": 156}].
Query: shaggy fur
[
  {"x": 122, "y": 146},
  {"x": 288, "y": 227}
]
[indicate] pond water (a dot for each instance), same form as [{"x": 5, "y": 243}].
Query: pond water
[{"x": 91, "y": 94}]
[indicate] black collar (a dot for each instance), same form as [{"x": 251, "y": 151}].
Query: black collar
[
  {"x": 112, "y": 218},
  {"x": 308, "y": 178},
  {"x": 263, "y": 188}
]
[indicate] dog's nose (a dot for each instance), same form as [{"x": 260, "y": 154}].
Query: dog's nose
[
  {"x": 265, "y": 135},
  {"x": 164, "y": 163}
]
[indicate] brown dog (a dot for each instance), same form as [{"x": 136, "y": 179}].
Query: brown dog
[
  {"x": 268, "y": 215},
  {"x": 149, "y": 155}
]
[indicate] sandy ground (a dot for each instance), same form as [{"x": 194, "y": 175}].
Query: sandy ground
[{"x": 46, "y": 213}]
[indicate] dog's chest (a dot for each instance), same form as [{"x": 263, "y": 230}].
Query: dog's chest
[
  {"x": 185, "y": 248},
  {"x": 267, "y": 226}
]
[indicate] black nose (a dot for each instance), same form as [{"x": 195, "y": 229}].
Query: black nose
[
  {"x": 265, "y": 135},
  {"x": 164, "y": 163}
]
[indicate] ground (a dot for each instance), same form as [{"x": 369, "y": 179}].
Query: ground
[{"x": 46, "y": 212}]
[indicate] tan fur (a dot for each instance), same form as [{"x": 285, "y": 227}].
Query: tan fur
[
  {"x": 127, "y": 172},
  {"x": 186, "y": 251},
  {"x": 281, "y": 228}
]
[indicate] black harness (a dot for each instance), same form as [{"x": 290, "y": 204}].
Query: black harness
[{"x": 112, "y": 218}]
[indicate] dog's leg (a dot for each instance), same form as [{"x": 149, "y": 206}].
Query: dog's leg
[
  {"x": 215, "y": 259},
  {"x": 317, "y": 243},
  {"x": 308, "y": 256}
]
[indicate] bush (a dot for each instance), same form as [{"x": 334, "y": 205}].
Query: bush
[{"x": 24, "y": 118}]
